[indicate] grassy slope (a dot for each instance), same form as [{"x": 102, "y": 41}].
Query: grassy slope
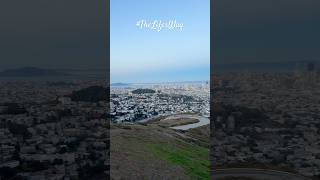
[
  {"x": 154, "y": 152},
  {"x": 193, "y": 158}
]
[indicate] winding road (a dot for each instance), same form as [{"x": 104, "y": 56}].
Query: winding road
[
  {"x": 260, "y": 174},
  {"x": 202, "y": 121}
]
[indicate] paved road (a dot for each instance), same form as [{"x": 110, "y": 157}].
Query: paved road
[
  {"x": 260, "y": 174},
  {"x": 202, "y": 121}
]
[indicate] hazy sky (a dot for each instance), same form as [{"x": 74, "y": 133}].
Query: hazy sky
[
  {"x": 145, "y": 55},
  {"x": 266, "y": 30},
  {"x": 53, "y": 33},
  {"x": 71, "y": 34}
]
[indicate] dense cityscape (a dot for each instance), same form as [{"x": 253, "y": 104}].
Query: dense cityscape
[
  {"x": 59, "y": 130},
  {"x": 131, "y": 104},
  {"x": 53, "y": 130},
  {"x": 267, "y": 120}
]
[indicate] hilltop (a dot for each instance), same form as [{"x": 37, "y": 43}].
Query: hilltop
[
  {"x": 152, "y": 151},
  {"x": 143, "y": 91},
  {"x": 90, "y": 94}
]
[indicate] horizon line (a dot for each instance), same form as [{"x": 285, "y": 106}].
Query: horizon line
[{"x": 159, "y": 82}]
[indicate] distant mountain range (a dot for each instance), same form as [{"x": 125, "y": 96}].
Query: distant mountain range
[
  {"x": 119, "y": 84},
  {"x": 31, "y": 72}
]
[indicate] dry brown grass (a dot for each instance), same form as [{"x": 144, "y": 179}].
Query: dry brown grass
[
  {"x": 148, "y": 152},
  {"x": 171, "y": 122}
]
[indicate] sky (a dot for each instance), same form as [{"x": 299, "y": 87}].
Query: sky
[
  {"x": 53, "y": 34},
  {"x": 142, "y": 55},
  {"x": 71, "y": 34},
  {"x": 255, "y": 31}
]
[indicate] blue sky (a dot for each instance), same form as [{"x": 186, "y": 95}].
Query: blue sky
[{"x": 145, "y": 55}]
